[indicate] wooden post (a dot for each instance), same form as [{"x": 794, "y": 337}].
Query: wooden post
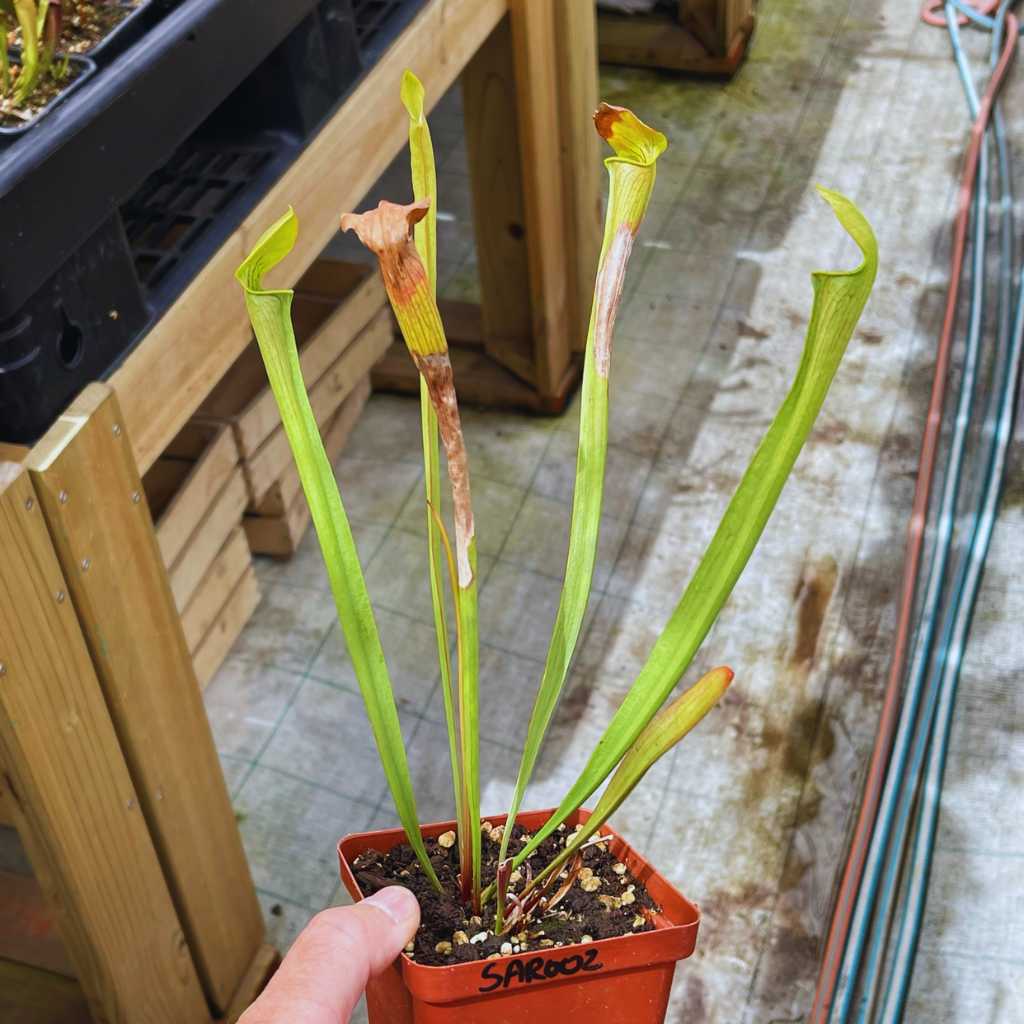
[
  {"x": 88, "y": 486},
  {"x": 527, "y": 98},
  {"x": 73, "y": 799},
  {"x": 584, "y": 182},
  {"x": 538, "y": 115},
  {"x": 499, "y": 216}
]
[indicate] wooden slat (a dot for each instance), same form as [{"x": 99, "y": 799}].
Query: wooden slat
[
  {"x": 244, "y": 398},
  {"x": 194, "y": 497},
  {"x": 263, "y": 965},
  {"x": 335, "y": 435},
  {"x": 190, "y": 442},
  {"x": 658, "y": 40},
  {"x": 6, "y": 813},
  {"x": 279, "y": 497},
  {"x": 28, "y": 928},
  {"x": 230, "y": 621},
  {"x": 199, "y": 551},
  {"x": 584, "y": 180},
  {"x": 77, "y": 810},
  {"x": 736, "y": 22},
  {"x": 163, "y": 481},
  {"x": 167, "y": 375},
  {"x": 703, "y": 18},
  {"x": 278, "y": 536},
  {"x": 29, "y": 995},
  {"x": 333, "y": 279},
  {"x": 264, "y": 468},
  {"x": 479, "y": 380},
  {"x": 12, "y": 452},
  {"x": 717, "y": 23},
  {"x": 216, "y": 587},
  {"x": 85, "y": 477}
]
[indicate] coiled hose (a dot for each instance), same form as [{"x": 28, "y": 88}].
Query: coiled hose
[{"x": 872, "y": 938}]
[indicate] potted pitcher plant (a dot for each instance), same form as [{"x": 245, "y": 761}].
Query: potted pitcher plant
[{"x": 545, "y": 910}]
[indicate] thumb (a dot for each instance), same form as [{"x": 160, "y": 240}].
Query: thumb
[{"x": 327, "y": 968}]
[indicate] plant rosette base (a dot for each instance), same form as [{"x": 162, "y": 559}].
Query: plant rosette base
[{"x": 624, "y": 980}]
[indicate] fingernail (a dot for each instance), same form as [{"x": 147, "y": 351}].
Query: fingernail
[{"x": 396, "y": 901}]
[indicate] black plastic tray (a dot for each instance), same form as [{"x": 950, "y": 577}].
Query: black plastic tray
[
  {"x": 155, "y": 162},
  {"x": 109, "y": 136}
]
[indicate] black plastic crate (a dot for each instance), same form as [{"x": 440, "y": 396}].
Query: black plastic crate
[
  {"x": 171, "y": 145},
  {"x": 123, "y": 124},
  {"x": 68, "y": 333},
  {"x": 185, "y": 210}
]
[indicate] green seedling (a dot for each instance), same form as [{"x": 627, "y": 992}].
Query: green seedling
[{"x": 39, "y": 26}]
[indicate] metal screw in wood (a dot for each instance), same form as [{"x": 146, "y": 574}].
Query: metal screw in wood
[{"x": 63, "y": 497}]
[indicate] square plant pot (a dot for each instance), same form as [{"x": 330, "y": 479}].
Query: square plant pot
[
  {"x": 85, "y": 70},
  {"x": 625, "y": 980}
]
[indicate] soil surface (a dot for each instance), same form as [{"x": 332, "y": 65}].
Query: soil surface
[
  {"x": 86, "y": 24},
  {"x": 449, "y": 933}
]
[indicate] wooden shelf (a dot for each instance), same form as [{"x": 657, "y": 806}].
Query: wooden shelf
[
  {"x": 705, "y": 38},
  {"x": 28, "y": 929},
  {"x": 30, "y": 995}
]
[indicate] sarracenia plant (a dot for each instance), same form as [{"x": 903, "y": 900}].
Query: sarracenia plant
[
  {"x": 404, "y": 241},
  {"x": 424, "y": 185},
  {"x": 631, "y": 173}
]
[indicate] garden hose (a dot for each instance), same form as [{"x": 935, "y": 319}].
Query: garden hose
[
  {"x": 906, "y": 777},
  {"x": 968, "y": 578},
  {"x": 866, "y": 895}
]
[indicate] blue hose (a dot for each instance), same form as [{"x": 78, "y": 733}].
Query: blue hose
[
  {"x": 999, "y": 425},
  {"x": 984, "y": 20},
  {"x": 897, "y": 823}
]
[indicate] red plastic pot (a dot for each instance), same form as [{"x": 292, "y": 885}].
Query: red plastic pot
[{"x": 625, "y": 980}]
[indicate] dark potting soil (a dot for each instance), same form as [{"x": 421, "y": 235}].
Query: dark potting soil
[
  {"x": 449, "y": 933},
  {"x": 45, "y": 92},
  {"x": 87, "y": 23}
]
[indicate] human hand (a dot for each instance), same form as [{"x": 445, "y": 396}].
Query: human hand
[{"x": 327, "y": 968}]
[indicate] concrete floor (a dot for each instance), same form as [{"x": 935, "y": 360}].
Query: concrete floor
[{"x": 750, "y": 815}]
